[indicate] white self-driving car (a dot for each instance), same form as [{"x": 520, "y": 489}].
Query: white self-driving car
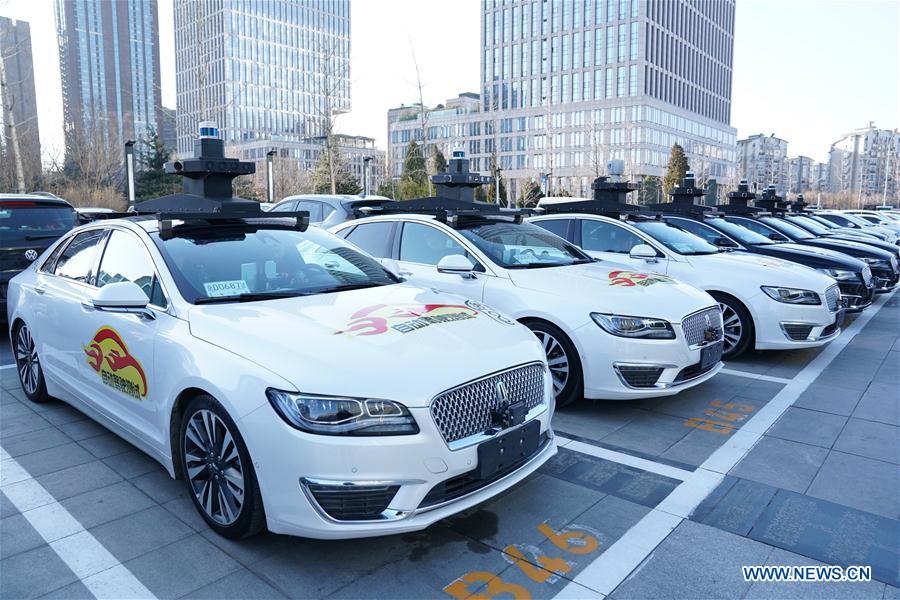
[
  {"x": 610, "y": 331},
  {"x": 767, "y": 303},
  {"x": 289, "y": 379}
]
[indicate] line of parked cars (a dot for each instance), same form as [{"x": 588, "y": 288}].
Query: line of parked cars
[{"x": 404, "y": 363}]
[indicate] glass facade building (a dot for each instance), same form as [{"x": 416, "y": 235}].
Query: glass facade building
[
  {"x": 109, "y": 61},
  {"x": 569, "y": 85},
  {"x": 15, "y": 52},
  {"x": 261, "y": 69}
]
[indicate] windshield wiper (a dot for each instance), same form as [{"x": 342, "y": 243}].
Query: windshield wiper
[
  {"x": 250, "y": 297},
  {"x": 41, "y": 237},
  {"x": 347, "y": 286}
]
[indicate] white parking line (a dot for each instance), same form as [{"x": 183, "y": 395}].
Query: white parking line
[
  {"x": 93, "y": 564},
  {"x": 622, "y": 458},
  {"x": 752, "y": 375},
  {"x": 4, "y": 367},
  {"x": 612, "y": 567}
]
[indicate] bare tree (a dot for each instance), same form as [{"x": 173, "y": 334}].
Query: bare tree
[
  {"x": 9, "y": 115},
  {"x": 332, "y": 73},
  {"x": 423, "y": 117},
  {"x": 93, "y": 178}
]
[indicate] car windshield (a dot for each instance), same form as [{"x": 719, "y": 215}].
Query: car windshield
[
  {"x": 742, "y": 234},
  {"x": 523, "y": 245},
  {"x": 810, "y": 224},
  {"x": 788, "y": 229},
  {"x": 824, "y": 222},
  {"x": 252, "y": 262},
  {"x": 676, "y": 239},
  {"x": 31, "y": 221},
  {"x": 857, "y": 220}
]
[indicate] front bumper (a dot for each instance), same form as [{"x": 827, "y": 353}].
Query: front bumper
[
  {"x": 289, "y": 461},
  {"x": 885, "y": 280},
  {"x": 855, "y": 295},
  {"x": 774, "y": 320}
]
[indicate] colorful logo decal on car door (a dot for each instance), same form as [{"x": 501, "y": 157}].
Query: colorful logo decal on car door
[
  {"x": 405, "y": 318},
  {"x": 117, "y": 368},
  {"x": 630, "y": 278}
]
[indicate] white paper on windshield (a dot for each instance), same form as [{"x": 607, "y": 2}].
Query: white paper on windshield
[{"x": 216, "y": 289}]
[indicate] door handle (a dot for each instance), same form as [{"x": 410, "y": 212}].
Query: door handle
[
  {"x": 405, "y": 273},
  {"x": 87, "y": 305},
  {"x": 40, "y": 290}
]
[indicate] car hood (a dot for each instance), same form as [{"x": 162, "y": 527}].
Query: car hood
[
  {"x": 822, "y": 254},
  {"x": 851, "y": 248},
  {"x": 864, "y": 242},
  {"x": 757, "y": 270},
  {"x": 397, "y": 342},
  {"x": 614, "y": 287}
]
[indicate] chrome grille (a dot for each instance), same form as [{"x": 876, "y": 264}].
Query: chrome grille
[
  {"x": 832, "y": 297},
  {"x": 867, "y": 275},
  {"x": 466, "y": 410},
  {"x": 694, "y": 325}
]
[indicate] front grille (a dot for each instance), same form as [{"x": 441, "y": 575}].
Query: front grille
[
  {"x": 694, "y": 370},
  {"x": 695, "y": 325},
  {"x": 796, "y": 331},
  {"x": 459, "y": 486},
  {"x": 639, "y": 377},
  {"x": 353, "y": 503},
  {"x": 832, "y": 297},
  {"x": 867, "y": 275},
  {"x": 466, "y": 410}
]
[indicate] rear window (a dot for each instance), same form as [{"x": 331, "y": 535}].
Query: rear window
[{"x": 34, "y": 221}]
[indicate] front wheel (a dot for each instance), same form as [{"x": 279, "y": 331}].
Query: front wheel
[
  {"x": 218, "y": 470},
  {"x": 31, "y": 375},
  {"x": 737, "y": 325},
  {"x": 562, "y": 358}
]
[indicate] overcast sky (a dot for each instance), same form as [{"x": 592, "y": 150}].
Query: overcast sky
[{"x": 805, "y": 70}]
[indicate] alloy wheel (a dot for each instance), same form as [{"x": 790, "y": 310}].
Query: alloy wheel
[
  {"x": 27, "y": 362},
  {"x": 731, "y": 327},
  {"x": 214, "y": 467},
  {"x": 557, "y": 360}
]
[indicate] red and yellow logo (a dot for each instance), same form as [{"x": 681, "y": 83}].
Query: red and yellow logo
[
  {"x": 405, "y": 318},
  {"x": 110, "y": 358},
  {"x": 630, "y": 278}
]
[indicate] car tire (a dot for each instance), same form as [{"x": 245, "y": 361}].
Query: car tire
[
  {"x": 737, "y": 323},
  {"x": 215, "y": 472},
  {"x": 28, "y": 366},
  {"x": 562, "y": 357}
]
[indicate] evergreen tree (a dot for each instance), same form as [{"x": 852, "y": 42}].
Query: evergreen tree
[
  {"x": 151, "y": 180},
  {"x": 678, "y": 166},
  {"x": 414, "y": 178},
  {"x": 386, "y": 189},
  {"x": 650, "y": 191},
  {"x": 346, "y": 181},
  {"x": 439, "y": 161}
]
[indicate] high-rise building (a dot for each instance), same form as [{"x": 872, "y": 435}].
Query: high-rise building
[
  {"x": 567, "y": 86},
  {"x": 865, "y": 163},
  {"x": 166, "y": 131},
  {"x": 801, "y": 174},
  {"x": 109, "y": 59},
  {"x": 276, "y": 71},
  {"x": 18, "y": 93},
  {"x": 762, "y": 161}
]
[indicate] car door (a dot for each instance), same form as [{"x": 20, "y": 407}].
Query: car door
[
  {"x": 613, "y": 242},
  {"x": 422, "y": 246},
  {"x": 118, "y": 347}
]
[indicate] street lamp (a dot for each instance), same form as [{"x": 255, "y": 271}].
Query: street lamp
[
  {"x": 366, "y": 162},
  {"x": 270, "y": 176},
  {"x": 129, "y": 173}
]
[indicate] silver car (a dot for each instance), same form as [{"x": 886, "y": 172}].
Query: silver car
[{"x": 325, "y": 210}]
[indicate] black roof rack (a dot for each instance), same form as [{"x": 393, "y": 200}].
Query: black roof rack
[
  {"x": 771, "y": 202},
  {"x": 739, "y": 202},
  {"x": 610, "y": 199},
  {"x": 798, "y": 206},
  {"x": 208, "y": 189},
  {"x": 683, "y": 200}
]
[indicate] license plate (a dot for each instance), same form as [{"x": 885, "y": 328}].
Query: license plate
[
  {"x": 710, "y": 355},
  {"x": 499, "y": 453}
]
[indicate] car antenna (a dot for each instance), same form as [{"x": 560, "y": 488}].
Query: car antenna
[
  {"x": 455, "y": 199},
  {"x": 208, "y": 193},
  {"x": 684, "y": 199},
  {"x": 609, "y": 199},
  {"x": 739, "y": 201}
]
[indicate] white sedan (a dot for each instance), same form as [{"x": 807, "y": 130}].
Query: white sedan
[
  {"x": 609, "y": 331},
  {"x": 290, "y": 380},
  {"x": 767, "y": 303}
]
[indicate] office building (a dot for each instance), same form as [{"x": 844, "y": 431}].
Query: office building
[
  {"x": 167, "y": 132},
  {"x": 263, "y": 71},
  {"x": 18, "y": 70},
  {"x": 762, "y": 161},
  {"x": 864, "y": 164},
  {"x": 567, "y": 86},
  {"x": 109, "y": 61}
]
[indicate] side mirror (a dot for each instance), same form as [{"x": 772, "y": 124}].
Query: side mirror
[
  {"x": 643, "y": 251},
  {"x": 777, "y": 237},
  {"x": 122, "y": 297},
  {"x": 723, "y": 242},
  {"x": 456, "y": 264}
]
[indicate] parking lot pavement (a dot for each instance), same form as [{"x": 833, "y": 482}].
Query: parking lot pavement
[{"x": 785, "y": 458}]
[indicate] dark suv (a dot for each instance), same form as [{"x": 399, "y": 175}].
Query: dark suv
[{"x": 29, "y": 223}]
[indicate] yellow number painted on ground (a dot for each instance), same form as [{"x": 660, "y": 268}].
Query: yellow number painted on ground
[
  {"x": 732, "y": 406},
  {"x": 725, "y": 416},
  {"x": 552, "y": 565},
  {"x": 709, "y": 425},
  {"x": 495, "y": 587},
  {"x": 564, "y": 541}
]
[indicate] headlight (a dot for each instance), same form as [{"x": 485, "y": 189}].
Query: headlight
[
  {"x": 838, "y": 274},
  {"x": 335, "y": 415},
  {"x": 791, "y": 295},
  {"x": 635, "y": 327}
]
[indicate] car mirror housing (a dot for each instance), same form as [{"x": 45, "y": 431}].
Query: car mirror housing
[
  {"x": 643, "y": 251},
  {"x": 120, "y": 296},
  {"x": 723, "y": 242},
  {"x": 456, "y": 264}
]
